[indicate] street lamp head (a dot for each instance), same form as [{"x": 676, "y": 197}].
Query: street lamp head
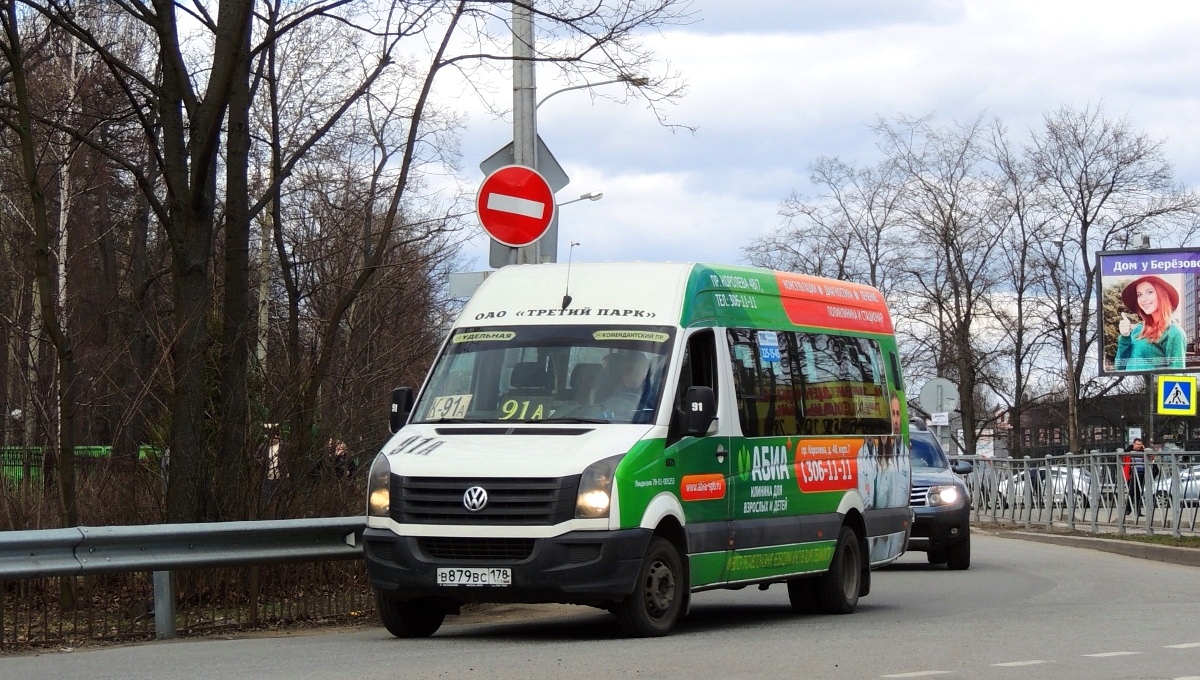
[{"x": 590, "y": 196}]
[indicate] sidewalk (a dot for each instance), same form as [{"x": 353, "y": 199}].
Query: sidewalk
[{"x": 1131, "y": 548}]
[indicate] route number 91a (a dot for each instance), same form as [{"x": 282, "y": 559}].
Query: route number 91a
[{"x": 521, "y": 410}]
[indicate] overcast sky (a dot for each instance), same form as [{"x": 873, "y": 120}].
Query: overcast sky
[{"x": 774, "y": 84}]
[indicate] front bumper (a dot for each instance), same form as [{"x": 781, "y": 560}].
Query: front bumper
[
  {"x": 935, "y": 528},
  {"x": 579, "y": 567}
]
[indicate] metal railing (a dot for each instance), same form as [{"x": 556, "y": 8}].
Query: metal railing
[
  {"x": 163, "y": 549},
  {"x": 1157, "y": 492}
]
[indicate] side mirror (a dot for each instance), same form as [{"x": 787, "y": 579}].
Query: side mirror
[
  {"x": 402, "y": 403},
  {"x": 699, "y": 411},
  {"x": 963, "y": 467}
]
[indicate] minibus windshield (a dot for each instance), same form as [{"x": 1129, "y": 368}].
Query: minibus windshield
[{"x": 559, "y": 374}]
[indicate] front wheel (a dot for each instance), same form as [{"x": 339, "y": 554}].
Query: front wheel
[
  {"x": 1162, "y": 500},
  {"x": 411, "y": 619},
  {"x": 837, "y": 589},
  {"x": 656, "y": 602}
]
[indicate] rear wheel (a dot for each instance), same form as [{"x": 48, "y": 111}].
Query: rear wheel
[
  {"x": 411, "y": 619},
  {"x": 837, "y": 589},
  {"x": 958, "y": 556},
  {"x": 656, "y": 602}
]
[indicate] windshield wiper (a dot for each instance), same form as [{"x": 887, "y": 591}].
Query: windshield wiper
[
  {"x": 569, "y": 419},
  {"x": 442, "y": 421}
]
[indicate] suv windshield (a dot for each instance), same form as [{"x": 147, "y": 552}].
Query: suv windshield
[
  {"x": 520, "y": 374},
  {"x": 925, "y": 452}
]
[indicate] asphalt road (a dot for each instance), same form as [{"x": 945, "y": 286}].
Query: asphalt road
[{"x": 1023, "y": 610}]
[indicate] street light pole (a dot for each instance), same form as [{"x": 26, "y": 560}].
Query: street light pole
[{"x": 524, "y": 102}]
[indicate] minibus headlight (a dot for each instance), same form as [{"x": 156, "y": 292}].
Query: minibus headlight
[
  {"x": 943, "y": 495},
  {"x": 379, "y": 492},
  {"x": 595, "y": 489}
]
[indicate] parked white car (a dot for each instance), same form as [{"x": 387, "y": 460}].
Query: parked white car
[
  {"x": 1188, "y": 492},
  {"x": 1046, "y": 485}
]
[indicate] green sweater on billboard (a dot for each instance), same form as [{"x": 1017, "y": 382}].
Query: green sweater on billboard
[{"x": 1135, "y": 353}]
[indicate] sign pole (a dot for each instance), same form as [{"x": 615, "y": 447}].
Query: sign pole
[{"x": 1151, "y": 407}]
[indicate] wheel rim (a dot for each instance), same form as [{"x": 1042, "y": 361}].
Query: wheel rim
[{"x": 659, "y": 588}]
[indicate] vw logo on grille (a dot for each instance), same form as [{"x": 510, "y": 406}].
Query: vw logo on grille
[{"x": 475, "y": 499}]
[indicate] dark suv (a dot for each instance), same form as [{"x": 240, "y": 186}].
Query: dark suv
[{"x": 939, "y": 500}]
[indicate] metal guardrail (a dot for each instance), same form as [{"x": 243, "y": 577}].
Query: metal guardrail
[
  {"x": 161, "y": 548},
  {"x": 1097, "y": 492}
]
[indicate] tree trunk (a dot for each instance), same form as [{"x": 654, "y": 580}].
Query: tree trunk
[{"x": 229, "y": 496}]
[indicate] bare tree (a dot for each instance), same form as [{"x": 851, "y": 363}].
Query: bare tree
[
  {"x": 847, "y": 232},
  {"x": 50, "y": 311},
  {"x": 1104, "y": 182},
  {"x": 214, "y": 76},
  {"x": 1021, "y": 314},
  {"x": 951, "y": 208}
]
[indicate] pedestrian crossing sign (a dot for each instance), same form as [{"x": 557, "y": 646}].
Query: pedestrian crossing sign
[{"x": 1176, "y": 395}]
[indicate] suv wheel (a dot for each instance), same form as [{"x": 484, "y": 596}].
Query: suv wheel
[{"x": 958, "y": 556}]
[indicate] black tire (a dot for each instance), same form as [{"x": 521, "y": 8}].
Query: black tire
[
  {"x": 657, "y": 601},
  {"x": 1081, "y": 500},
  {"x": 936, "y": 556},
  {"x": 1162, "y": 500},
  {"x": 411, "y": 619},
  {"x": 958, "y": 556},
  {"x": 802, "y": 593},
  {"x": 837, "y": 589}
]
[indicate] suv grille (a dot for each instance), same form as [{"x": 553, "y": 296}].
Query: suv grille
[
  {"x": 516, "y": 501},
  {"x": 918, "y": 496}
]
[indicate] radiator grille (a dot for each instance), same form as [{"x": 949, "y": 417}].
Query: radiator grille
[
  {"x": 511, "y": 501},
  {"x": 918, "y": 496}
]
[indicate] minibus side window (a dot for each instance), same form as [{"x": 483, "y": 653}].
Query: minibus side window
[
  {"x": 841, "y": 385},
  {"x": 698, "y": 368},
  {"x": 746, "y": 384},
  {"x": 763, "y": 366}
]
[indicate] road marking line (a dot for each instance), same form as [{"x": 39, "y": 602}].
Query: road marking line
[
  {"x": 1013, "y": 664},
  {"x": 916, "y": 674},
  {"x": 1189, "y": 677},
  {"x": 1186, "y": 645},
  {"x": 516, "y": 205},
  {"x": 1103, "y": 654}
]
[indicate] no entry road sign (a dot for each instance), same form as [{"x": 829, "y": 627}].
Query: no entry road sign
[{"x": 515, "y": 205}]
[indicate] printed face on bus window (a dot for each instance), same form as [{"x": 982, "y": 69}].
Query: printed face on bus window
[
  {"x": 896, "y": 422},
  {"x": 1147, "y": 298}
]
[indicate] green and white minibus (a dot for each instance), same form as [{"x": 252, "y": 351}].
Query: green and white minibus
[{"x": 626, "y": 435}]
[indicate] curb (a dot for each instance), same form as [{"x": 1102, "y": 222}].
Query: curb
[{"x": 1189, "y": 557}]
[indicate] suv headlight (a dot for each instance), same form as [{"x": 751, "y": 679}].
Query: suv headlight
[
  {"x": 595, "y": 489},
  {"x": 379, "y": 492},
  {"x": 940, "y": 496}
]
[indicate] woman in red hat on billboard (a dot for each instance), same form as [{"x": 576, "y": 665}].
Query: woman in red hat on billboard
[{"x": 1157, "y": 342}]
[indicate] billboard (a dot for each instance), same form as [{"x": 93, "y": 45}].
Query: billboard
[{"x": 1148, "y": 311}]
